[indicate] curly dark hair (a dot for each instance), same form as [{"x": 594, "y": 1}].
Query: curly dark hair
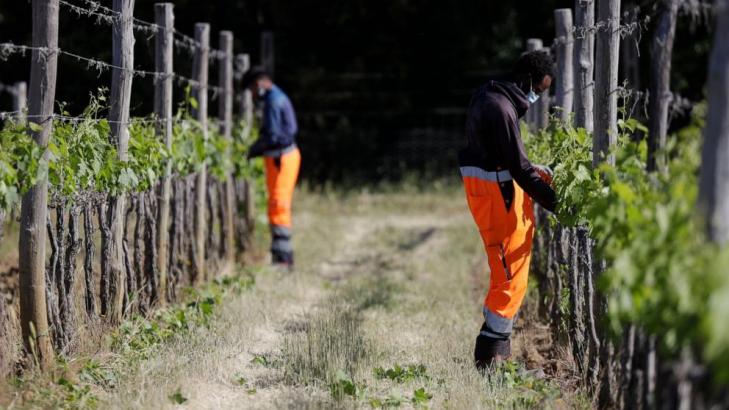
[{"x": 532, "y": 67}]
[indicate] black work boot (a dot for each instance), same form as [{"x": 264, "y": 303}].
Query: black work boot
[
  {"x": 283, "y": 260},
  {"x": 489, "y": 351}
]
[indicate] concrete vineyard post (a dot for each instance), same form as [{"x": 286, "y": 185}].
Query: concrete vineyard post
[{"x": 34, "y": 207}]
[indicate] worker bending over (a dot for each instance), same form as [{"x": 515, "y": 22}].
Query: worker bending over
[
  {"x": 500, "y": 184},
  {"x": 277, "y": 144}
]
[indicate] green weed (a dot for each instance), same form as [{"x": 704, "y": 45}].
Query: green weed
[
  {"x": 177, "y": 397},
  {"x": 401, "y": 374},
  {"x": 420, "y": 396}
]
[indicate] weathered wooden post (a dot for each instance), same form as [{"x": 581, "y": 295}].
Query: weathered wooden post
[
  {"x": 267, "y": 52},
  {"x": 200, "y": 75},
  {"x": 564, "y": 89},
  {"x": 121, "y": 92},
  {"x": 243, "y": 64},
  {"x": 629, "y": 58},
  {"x": 660, "y": 83},
  {"x": 532, "y": 115},
  {"x": 604, "y": 137},
  {"x": 714, "y": 181},
  {"x": 607, "y": 58},
  {"x": 34, "y": 207},
  {"x": 20, "y": 99},
  {"x": 583, "y": 61},
  {"x": 225, "y": 115},
  {"x": 542, "y": 105},
  {"x": 164, "y": 18}
]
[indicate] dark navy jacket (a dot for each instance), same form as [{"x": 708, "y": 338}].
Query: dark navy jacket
[
  {"x": 494, "y": 140},
  {"x": 279, "y": 128}
]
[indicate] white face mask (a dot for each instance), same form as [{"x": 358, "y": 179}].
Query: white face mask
[
  {"x": 261, "y": 91},
  {"x": 532, "y": 97}
]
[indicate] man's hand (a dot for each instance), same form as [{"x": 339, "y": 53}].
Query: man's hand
[{"x": 545, "y": 173}]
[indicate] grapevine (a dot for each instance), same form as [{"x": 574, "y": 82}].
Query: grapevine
[{"x": 662, "y": 273}]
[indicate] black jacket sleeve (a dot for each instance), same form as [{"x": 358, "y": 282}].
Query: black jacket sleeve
[
  {"x": 258, "y": 148},
  {"x": 514, "y": 157}
]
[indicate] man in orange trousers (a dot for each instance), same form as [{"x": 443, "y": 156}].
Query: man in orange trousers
[
  {"x": 277, "y": 144},
  {"x": 500, "y": 184}
]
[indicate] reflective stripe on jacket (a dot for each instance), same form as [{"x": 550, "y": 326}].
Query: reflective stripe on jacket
[{"x": 494, "y": 140}]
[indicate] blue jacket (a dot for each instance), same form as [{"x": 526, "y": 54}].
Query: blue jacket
[{"x": 279, "y": 128}]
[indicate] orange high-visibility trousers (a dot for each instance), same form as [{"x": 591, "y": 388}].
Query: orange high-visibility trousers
[
  {"x": 281, "y": 175},
  {"x": 507, "y": 237}
]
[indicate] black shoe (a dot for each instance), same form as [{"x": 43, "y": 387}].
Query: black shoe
[
  {"x": 278, "y": 257},
  {"x": 489, "y": 351}
]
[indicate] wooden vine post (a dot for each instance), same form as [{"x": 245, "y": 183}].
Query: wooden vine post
[
  {"x": 660, "y": 83},
  {"x": 34, "y": 207},
  {"x": 200, "y": 76},
  {"x": 20, "y": 99},
  {"x": 583, "y": 62},
  {"x": 714, "y": 180},
  {"x": 121, "y": 93},
  {"x": 629, "y": 53},
  {"x": 532, "y": 115},
  {"x": 564, "y": 89},
  {"x": 542, "y": 105},
  {"x": 225, "y": 115},
  {"x": 267, "y": 52},
  {"x": 164, "y": 42},
  {"x": 243, "y": 64},
  {"x": 607, "y": 58}
]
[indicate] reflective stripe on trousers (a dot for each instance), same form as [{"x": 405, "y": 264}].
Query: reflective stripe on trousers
[{"x": 507, "y": 237}]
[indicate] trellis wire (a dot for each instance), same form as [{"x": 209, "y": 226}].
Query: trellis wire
[
  {"x": 678, "y": 106},
  {"x": 77, "y": 120},
  {"x": 108, "y": 16},
  {"x": 8, "y": 49}
]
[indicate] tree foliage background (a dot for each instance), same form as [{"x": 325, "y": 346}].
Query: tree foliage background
[{"x": 380, "y": 86}]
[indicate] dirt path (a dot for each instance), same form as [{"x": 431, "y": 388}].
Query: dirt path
[{"x": 382, "y": 282}]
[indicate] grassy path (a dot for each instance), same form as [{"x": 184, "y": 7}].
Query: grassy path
[{"x": 382, "y": 311}]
